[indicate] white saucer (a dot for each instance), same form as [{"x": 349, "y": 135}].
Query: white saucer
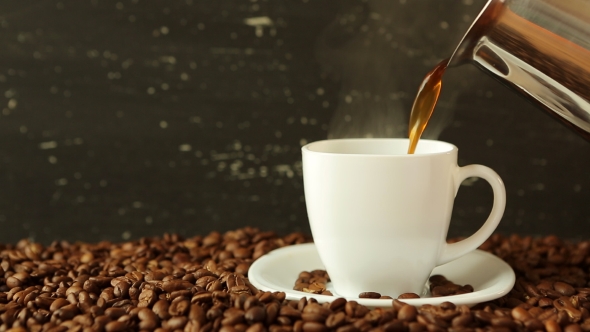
[{"x": 490, "y": 276}]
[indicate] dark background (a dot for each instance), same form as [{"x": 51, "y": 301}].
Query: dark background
[{"x": 131, "y": 118}]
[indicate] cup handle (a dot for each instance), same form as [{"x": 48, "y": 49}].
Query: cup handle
[{"x": 453, "y": 251}]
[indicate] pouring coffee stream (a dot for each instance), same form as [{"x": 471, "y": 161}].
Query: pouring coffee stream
[
  {"x": 538, "y": 48},
  {"x": 424, "y": 103}
]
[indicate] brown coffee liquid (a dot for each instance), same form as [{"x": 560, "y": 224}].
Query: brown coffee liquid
[{"x": 424, "y": 103}]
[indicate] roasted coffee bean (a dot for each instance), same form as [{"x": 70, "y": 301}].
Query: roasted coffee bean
[
  {"x": 272, "y": 311},
  {"x": 369, "y": 295},
  {"x": 316, "y": 308},
  {"x": 393, "y": 326},
  {"x": 121, "y": 287},
  {"x": 91, "y": 286},
  {"x": 197, "y": 314},
  {"x": 179, "y": 308},
  {"x": 219, "y": 296},
  {"x": 192, "y": 326},
  {"x": 175, "y": 323},
  {"x": 506, "y": 322},
  {"x": 519, "y": 313},
  {"x": 239, "y": 300},
  {"x": 544, "y": 302},
  {"x": 206, "y": 279},
  {"x": 66, "y": 312},
  {"x": 250, "y": 302},
  {"x": 202, "y": 297},
  {"x": 387, "y": 315},
  {"x": 290, "y": 312},
  {"x": 258, "y": 327},
  {"x": 84, "y": 320},
  {"x": 361, "y": 324},
  {"x": 336, "y": 320},
  {"x": 314, "y": 327},
  {"x": 416, "y": 327},
  {"x": 216, "y": 285},
  {"x": 148, "y": 319},
  {"x": 408, "y": 296},
  {"x": 114, "y": 313},
  {"x": 96, "y": 311},
  {"x": 407, "y": 313},
  {"x": 60, "y": 328},
  {"x": 180, "y": 293},
  {"x": 534, "y": 324},
  {"x": 429, "y": 318},
  {"x": 552, "y": 326},
  {"x": 58, "y": 303},
  {"x": 285, "y": 321},
  {"x": 535, "y": 311},
  {"x": 174, "y": 285},
  {"x": 256, "y": 314},
  {"x": 531, "y": 290},
  {"x": 265, "y": 297},
  {"x": 462, "y": 320},
  {"x": 115, "y": 326},
  {"x": 572, "y": 328},
  {"x": 146, "y": 298},
  {"x": 101, "y": 281},
  {"x": 44, "y": 301},
  {"x": 214, "y": 313},
  {"x": 444, "y": 290},
  {"x": 347, "y": 328},
  {"x": 313, "y": 317},
  {"x": 17, "y": 280},
  {"x": 233, "y": 316},
  {"x": 353, "y": 309},
  {"x": 154, "y": 275},
  {"x": 564, "y": 304},
  {"x": 160, "y": 308},
  {"x": 335, "y": 305},
  {"x": 243, "y": 289},
  {"x": 564, "y": 288}
]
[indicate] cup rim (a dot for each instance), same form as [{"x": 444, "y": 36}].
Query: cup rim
[{"x": 309, "y": 147}]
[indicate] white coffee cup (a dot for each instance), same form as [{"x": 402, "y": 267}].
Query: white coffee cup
[{"x": 380, "y": 216}]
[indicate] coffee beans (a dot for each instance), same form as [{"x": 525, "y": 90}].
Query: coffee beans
[
  {"x": 315, "y": 282},
  {"x": 440, "y": 286},
  {"x": 143, "y": 285},
  {"x": 200, "y": 284}
]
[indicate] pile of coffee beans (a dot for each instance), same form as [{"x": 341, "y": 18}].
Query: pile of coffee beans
[
  {"x": 313, "y": 282},
  {"x": 441, "y": 286},
  {"x": 200, "y": 284}
]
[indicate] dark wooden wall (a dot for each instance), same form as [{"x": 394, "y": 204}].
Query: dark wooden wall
[{"x": 129, "y": 118}]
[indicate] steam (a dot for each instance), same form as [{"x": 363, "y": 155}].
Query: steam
[{"x": 379, "y": 54}]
